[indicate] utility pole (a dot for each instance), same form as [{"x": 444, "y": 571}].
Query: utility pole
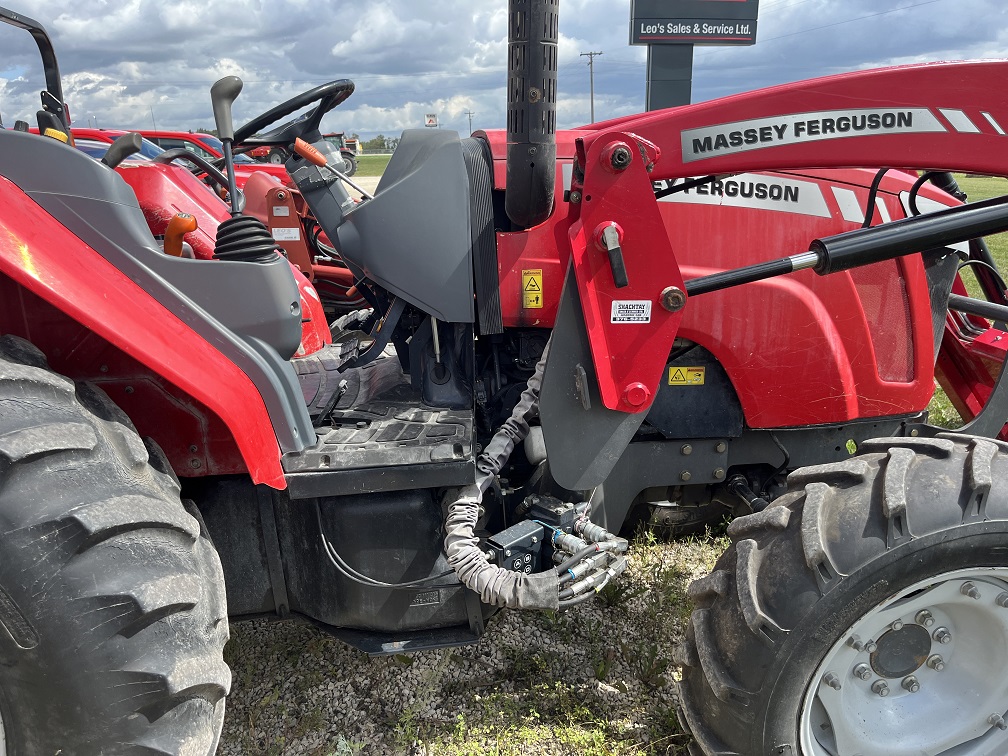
[
  {"x": 470, "y": 114},
  {"x": 591, "y": 79},
  {"x": 152, "y": 117}
]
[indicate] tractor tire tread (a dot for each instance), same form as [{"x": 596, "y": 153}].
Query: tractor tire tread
[
  {"x": 107, "y": 583},
  {"x": 788, "y": 558}
]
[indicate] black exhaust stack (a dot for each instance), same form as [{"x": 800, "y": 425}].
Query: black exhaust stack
[{"x": 531, "y": 128}]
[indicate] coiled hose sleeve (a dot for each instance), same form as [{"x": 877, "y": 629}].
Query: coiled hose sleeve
[{"x": 494, "y": 585}]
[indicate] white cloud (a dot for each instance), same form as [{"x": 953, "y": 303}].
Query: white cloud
[{"x": 122, "y": 58}]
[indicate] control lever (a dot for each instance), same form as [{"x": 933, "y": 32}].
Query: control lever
[
  {"x": 222, "y": 96},
  {"x": 178, "y": 227},
  {"x": 122, "y": 148},
  {"x": 315, "y": 157}
]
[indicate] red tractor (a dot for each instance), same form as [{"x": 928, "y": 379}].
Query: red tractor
[{"x": 667, "y": 317}]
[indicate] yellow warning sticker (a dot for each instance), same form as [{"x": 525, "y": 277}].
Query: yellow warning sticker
[
  {"x": 686, "y": 376},
  {"x": 532, "y": 295}
]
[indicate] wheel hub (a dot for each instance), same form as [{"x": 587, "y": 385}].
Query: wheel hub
[
  {"x": 918, "y": 675},
  {"x": 901, "y": 652}
]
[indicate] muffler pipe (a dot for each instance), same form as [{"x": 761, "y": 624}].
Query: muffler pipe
[{"x": 533, "y": 30}]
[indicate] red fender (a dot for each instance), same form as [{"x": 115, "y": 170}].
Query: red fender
[{"x": 41, "y": 255}]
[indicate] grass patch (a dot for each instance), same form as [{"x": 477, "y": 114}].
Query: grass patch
[{"x": 371, "y": 165}]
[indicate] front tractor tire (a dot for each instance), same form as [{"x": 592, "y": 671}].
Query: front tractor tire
[
  {"x": 277, "y": 155},
  {"x": 112, "y": 609},
  {"x": 863, "y": 612}
]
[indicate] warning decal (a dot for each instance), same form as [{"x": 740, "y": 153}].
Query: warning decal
[
  {"x": 532, "y": 296},
  {"x": 686, "y": 376},
  {"x": 631, "y": 311}
]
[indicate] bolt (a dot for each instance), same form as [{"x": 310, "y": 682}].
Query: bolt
[
  {"x": 897, "y": 625},
  {"x": 998, "y": 721},
  {"x": 685, "y": 475},
  {"x": 195, "y": 464},
  {"x": 673, "y": 299},
  {"x": 880, "y": 688},
  {"x": 911, "y": 684},
  {"x": 915, "y": 433},
  {"x": 129, "y": 389},
  {"x": 686, "y": 450},
  {"x": 1002, "y": 600},
  {"x": 575, "y": 197},
  {"x": 936, "y": 662},
  {"x": 968, "y": 589},
  {"x": 620, "y": 158},
  {"x": 870, "y": 647},
  {"x": 862, "y": 671},
  {"x": 942, "y": 635},
  {"x": 535, "y": 540},
  {"x": 721, "y": 447},
  {"x": 855, "y": 642},
  {"x": 281, "y": 196},
  {"x": 636, "y": 394},
  {"x": 924, "y": 617},
  {"x": 507, "y": 553},
  {"x": 832, "y": 680},
  {"x": 719, "y": 474}
]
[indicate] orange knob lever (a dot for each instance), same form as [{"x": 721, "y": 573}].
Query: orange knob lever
[
  {"x": 309, "y": 153},
  {"x": 179, "y": 226}
]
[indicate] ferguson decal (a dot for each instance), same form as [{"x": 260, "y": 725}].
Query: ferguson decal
[
  {"x": 751, "y": 190},
  {"x": 759, "y": 133}
]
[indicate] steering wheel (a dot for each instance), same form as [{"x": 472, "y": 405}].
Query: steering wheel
[{"x": 328, "y": 97}]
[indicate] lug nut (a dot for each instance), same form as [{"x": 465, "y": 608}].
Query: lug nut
[
  {"x": 857, "y": 644},
  {"x": 998, "y": 721},
  {"x": 862, "y": 671},
  {"x": 925, "y": 618},
  {"x": 936, "y": 662},
  {"x": 911, "y": 684},
  {"x": 942, "y": 635},
  {"x": 880, "y": 688},
  {"x": 1002, "y": 600},
  {"x": 832, "y": 680},
  {"x": 897, "y": 625},
  {"x": 968, "y": 589}
]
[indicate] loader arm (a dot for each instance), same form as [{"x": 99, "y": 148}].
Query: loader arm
[{"x": 949, "y": 116}]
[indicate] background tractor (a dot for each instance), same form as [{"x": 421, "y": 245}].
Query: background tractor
[{"x": 566, "y": 334}]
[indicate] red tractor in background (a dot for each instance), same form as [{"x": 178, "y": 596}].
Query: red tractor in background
[
  {"x": 565, "y": 333},
  {"x": 347, "y": 147}
]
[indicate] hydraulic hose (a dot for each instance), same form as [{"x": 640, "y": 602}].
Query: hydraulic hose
[{"x": 494, "y": 585}]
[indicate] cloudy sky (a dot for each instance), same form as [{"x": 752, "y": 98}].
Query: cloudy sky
[{"x": 133, "y": 63}]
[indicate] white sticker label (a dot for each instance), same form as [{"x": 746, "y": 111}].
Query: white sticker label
[
  {"x": 287, "y": 234},
  {"x": 631, "y": 311},
  {"x": 281, "y": 210}
]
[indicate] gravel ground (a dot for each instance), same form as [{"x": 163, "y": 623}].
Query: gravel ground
[{"x": 595, "y": 680}]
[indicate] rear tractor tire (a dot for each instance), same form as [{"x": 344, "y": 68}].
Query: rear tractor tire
[
  {"x": 864, "y": 612},
  {"x": 112, "y": 607}
]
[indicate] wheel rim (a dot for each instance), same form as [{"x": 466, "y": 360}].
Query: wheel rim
[{"x": 942, "y": 668}]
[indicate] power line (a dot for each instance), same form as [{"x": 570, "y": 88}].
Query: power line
[
  {"x": 470, "y": 114},
  {"x": 591, "y": 79}
]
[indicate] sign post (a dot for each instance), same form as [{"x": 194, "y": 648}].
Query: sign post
[{"x": 670, "y": 29}]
